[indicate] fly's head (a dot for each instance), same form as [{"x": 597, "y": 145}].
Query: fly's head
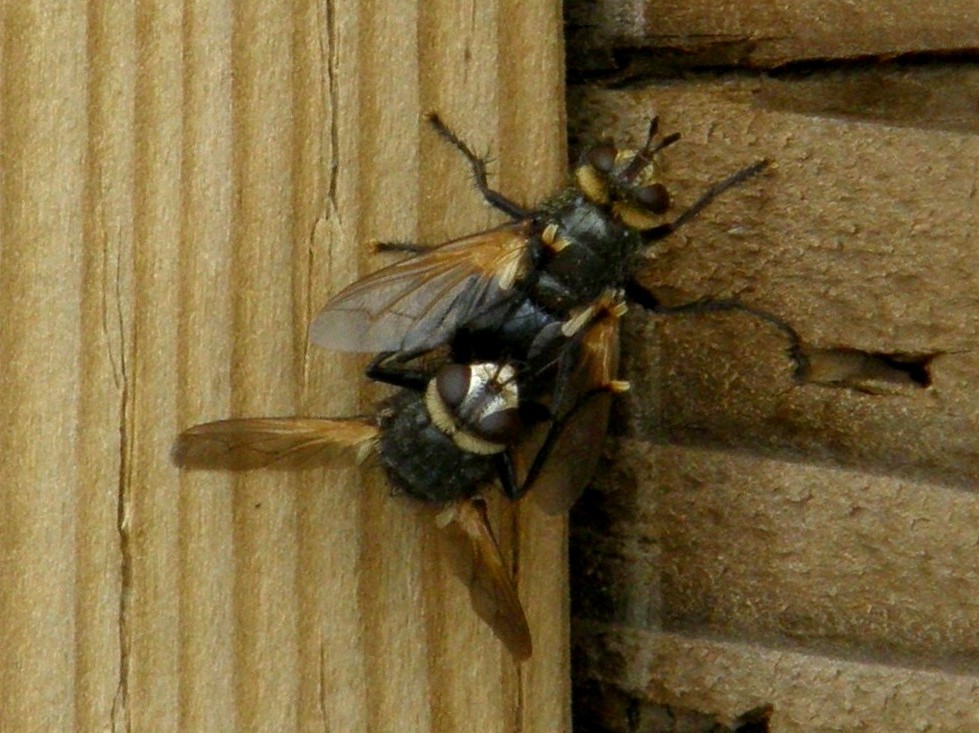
[
  {"x": 477, "y": 405},
  {"x": 624, "y": 182}
]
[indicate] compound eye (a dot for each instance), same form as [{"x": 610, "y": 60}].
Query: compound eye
[
  {"x": 452, "y": 382},
  {"x": 602, "y": 158},
  {"x": 500, "y": 427},
  {"x": 655, "y": 198}
]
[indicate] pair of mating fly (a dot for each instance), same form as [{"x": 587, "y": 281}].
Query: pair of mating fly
[{"x": 505, "y": 348}]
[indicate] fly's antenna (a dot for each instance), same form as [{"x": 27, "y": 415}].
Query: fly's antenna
[{"x": 645, "y": 156}]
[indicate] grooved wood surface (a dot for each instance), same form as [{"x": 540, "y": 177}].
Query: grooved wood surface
[{"x": 183, "y": 185}]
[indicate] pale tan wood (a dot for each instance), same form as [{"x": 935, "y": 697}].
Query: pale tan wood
[
  {"x": 803, "y": 545},
  {"x": 184, "y": 185},
  {"x": 43, "y": 128},
  {"x": 637, "y": 36}
]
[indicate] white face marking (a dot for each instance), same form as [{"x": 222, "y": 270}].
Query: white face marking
[{"x": 492, "y": 388}]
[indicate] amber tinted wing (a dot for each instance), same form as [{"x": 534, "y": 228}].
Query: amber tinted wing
[
  {"x": 273, "y": 442},
  {"x": 417, "y": 304},
  {"x": 475, "y": 557},
  {"x": 558, "y": 459}
]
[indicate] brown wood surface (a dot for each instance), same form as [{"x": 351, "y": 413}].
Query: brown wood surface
[
  {"x": 183, "y": 186},
  {"x": 631, "y": 37},
  {"x": 802, "y": 541}
]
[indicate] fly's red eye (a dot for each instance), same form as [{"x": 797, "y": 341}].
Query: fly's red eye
[
  {"x": 655, "y": 197},
  {"x": 602, "y": 157},
  {"x": 452, "y": 382},
  {"x": 499, "y": 427}
]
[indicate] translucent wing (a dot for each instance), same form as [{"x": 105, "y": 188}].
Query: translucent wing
[
  {"x": 559, "y": 458},
  {"x": 475, "y": 557},
  {"x": 270, "y": 442},
  {"x": 417, "y": 304},
  {"x": 573, "y": 455}
]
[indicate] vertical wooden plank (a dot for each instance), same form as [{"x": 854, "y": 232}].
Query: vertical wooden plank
[
  {"x": 334, "y": 693},
  {"x": 204, "y": 333},
  {"x": 149, "y": 500},
  {"x": 478, "y": 688},
  {"x": 105, "y": 296},
  {"x": 170, "y": 223},
  {"x": 42, "y": 130},
  {"x": 391, "y": 545},
  {"x": 263, "y": 369}
]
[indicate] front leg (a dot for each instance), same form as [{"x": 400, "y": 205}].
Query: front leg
[
  {"x": 507, "y": 476},
  {"x": 389, "y": 367},
  {"x": 478, "y": 167}
]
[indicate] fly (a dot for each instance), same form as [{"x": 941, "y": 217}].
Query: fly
[
  {"x": 490, "y": 294},
  {"x": 444, "y": 439}
]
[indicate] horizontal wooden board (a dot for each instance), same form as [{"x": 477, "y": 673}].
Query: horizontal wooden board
[
  {"x": 826, "y": 561},
  {"x": 782, "y": 528},
  {"x": 629, "y": 38},
  {"x": 809, "y": 693},
  {"x": 859, "y": 239}
]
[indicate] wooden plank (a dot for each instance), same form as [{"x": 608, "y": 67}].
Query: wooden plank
[
  {"x": 184, "y": 186},
  {"x": 825, "y": 560},
  {"x": 813, "y": 532},
  {"x": 841, "y": 694},
  {"x": 859, "y": 238},
  {"x": 634, "y": 37},
  {"x": 41, "y": 281}
]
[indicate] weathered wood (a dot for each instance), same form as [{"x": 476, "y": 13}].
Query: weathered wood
[
  {"x": 632, "y": 37},
  {"x": 840, "y": 694},
  {"x": 184, "y": 185},
  {"x": 811, "y": 533},
  {"x": 860, "y": 238}
]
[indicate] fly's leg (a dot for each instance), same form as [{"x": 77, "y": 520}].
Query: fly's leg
[
  {"x": 389, "y": 367},
  {"x": 639, "y": 295},
  {"x": 664, "y": 230},
  {"x": 412, "y": 248},
  {"x": 478, "y": 167},
  {"x": 507, "y": 476},
  {"x": 531, "y": 413}
]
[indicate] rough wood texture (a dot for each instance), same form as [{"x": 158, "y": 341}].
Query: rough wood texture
[
  {"x": 629, "y": 37},
  {"x": 183, "y": 186},
  {"x": 807, "y": 540}
]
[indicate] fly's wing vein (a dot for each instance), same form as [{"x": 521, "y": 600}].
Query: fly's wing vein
[
  {"x": 281, "y": 443},
  {"x": 417, "y": 304}
]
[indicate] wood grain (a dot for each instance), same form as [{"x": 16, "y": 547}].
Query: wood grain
[
  {"x": 629, "y": 38},
  {"x": 766, "y": 537},
  {"x": 183, "y": 186}
]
